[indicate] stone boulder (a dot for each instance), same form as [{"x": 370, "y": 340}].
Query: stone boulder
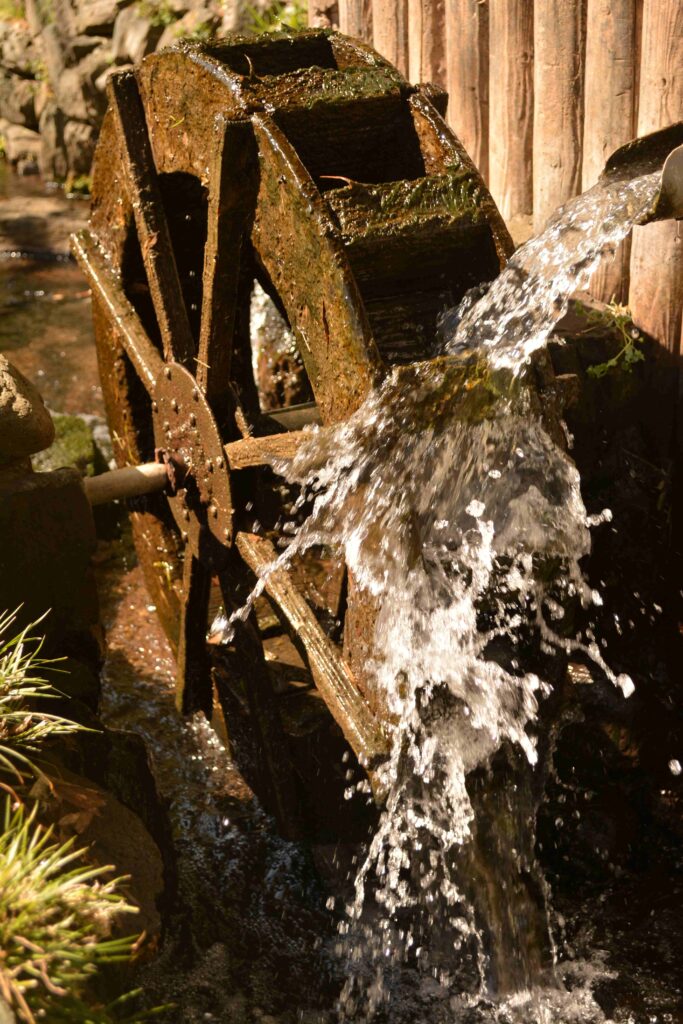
[
  {"x": 134, "y": 36},
  {"x": 200, "y": 23},
  {"x": 53, "y": 160},
  {"x": 95, "y": 17},
  {"x": 53, "y": 47},
  {"x": 18, "y": 51},
  {"x": 22, "y": 147},
  {"x": 79, "y": 143},
  {"x": 25, "y": 424},
  {"x": 17, "y": 99},
  {"x": 76, "y": 91}
]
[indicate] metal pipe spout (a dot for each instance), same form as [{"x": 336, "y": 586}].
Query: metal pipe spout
[{"x": 658, "y": 153}]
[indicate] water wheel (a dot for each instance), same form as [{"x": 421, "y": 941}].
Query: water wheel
[{"x": 305, "y": 163}]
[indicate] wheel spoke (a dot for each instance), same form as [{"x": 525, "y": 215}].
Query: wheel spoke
[
  {"x": 193, "y": 682},
  {"x": 107, "y": 290},
  {"x": 250, "y": 673},
  {"x": 150, "y": 219},
  {"x": 232, "y": 194},
  {"x": 260, "y": 451},
  {"x": 332, "y": 675}
]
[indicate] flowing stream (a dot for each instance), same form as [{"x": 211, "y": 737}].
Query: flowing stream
[{"x": 460, "y": 517}]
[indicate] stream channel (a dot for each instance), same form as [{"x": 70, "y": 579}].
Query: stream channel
[{"x": 251, "y": 921}]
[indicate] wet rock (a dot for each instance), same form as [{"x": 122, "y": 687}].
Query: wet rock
[
  {"x": 134, "y": 36},
  {"x": 17, "y": 99},
  {"x": 25, "y": 424}
]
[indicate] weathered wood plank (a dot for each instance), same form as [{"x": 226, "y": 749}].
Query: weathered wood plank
[
  {"x": 558, "y": 104},
  {"x": 390, "y": 31},
  {"x": 150, "y": 219},
  {"x": 332, "y": 675},
  {"x": 656, "y": 289},
  {"x": 232, "y": 196},
  {"x": 107, "y": 289},
  {"x": 609, "y": 116},
  {"x": 467, "y": 76},
  {"x": 511, "y": 61},
  {"x": 193, "y": 679},
  {"x": 426, "y": 41}
]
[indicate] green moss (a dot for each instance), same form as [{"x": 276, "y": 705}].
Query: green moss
[{"x": 73, "y": 446}]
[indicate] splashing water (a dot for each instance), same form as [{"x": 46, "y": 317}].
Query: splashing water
[{"x": 462, "y": 525}]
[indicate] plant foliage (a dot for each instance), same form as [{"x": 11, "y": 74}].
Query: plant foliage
[{"x": 24, "y": 725}]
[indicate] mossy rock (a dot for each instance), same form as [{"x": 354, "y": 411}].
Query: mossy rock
[{"x": 73, "y": 446}]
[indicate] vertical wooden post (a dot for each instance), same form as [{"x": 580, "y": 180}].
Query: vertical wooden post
[
  {"x": 558, "y": 110},
  {"x": 609, "y": 116},
  {"x": 426, "y": 41},
  {"x": 467, "y": 76},
  {"x": 355, "y": 19},
  {"x": 390, "y": 31},
  {"x": 511, "y": 103},
  {"x": 656, "y": 292}
]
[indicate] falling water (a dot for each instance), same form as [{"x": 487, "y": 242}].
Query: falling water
[{"x": 461, "y": 518}]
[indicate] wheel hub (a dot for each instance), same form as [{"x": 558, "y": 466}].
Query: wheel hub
[{"x": 186, "y": 432}]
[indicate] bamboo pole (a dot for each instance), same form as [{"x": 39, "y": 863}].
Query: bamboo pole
[
  {"x": 390, "y": 31},
  {"x": 467, "y": 76},
  {"x": 609, "y": 116},
  {"x": 355, "y": 19},
  {"x": 558, "y": 110},
  {"x": 511, "y": 57},
  {"x": 426, "y": 41},
  {"x": 656, "y": 291}
]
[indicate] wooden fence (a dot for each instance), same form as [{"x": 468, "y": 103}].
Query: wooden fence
[{"x": 541, "y": 92}]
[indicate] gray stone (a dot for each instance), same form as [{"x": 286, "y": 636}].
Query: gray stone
[
  {"x": 17, "y": 99},
  {"x": 96, "y": 17},
  {"x": 134, "y": 36},
  {"x": 199, "y": 23},
  {"x": 79, "y": 143},
  {"x": 26, "y": 426},
  {"x": 33, "y": 16},
  {"x": 42, "y": 97},
  {"x": 53, "y": 47},
  {"x": 76, "y": 92},
  {"x": 81, "y": 46},
  {"x": 21, "y": 143},
  {"x": 17, "y": 48},
  {"x": 53, "y": 162}
]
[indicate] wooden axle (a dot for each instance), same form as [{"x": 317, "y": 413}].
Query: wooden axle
[{"x": 152, "y": 477}]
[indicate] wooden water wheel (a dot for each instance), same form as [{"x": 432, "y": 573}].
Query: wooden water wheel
[{"x": 305, "y": 163}]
